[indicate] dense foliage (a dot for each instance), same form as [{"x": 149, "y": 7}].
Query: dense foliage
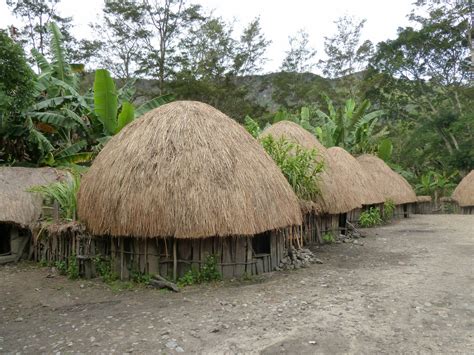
[
  {"x": 407, "y": 99},
  {"x": 300, "y": 166}
]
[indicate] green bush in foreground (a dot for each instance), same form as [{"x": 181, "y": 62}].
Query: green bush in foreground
[{"x": 370, "y": 218}]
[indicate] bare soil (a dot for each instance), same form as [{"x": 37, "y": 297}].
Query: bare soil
[{"x": 408, "y": 288}]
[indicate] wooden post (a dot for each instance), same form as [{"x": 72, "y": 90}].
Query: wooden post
[
  {"x": 175, "y": 261},
  {"x": 121, "y": 258}
]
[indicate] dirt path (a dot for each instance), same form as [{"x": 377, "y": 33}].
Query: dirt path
[{"x": 409, "y": 288}]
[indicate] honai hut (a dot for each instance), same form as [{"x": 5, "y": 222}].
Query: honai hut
[
  {"x": 20, "y": 210},
  {"x": 184, "y": 182},
  {"x": 329, "y": 210},
  {"x": 390, "y": 184},
  {"x": 353, "y": 175},
  {"x": 464, "y": 194}
]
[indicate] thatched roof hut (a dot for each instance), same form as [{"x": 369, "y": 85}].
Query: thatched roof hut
[
  {"x": 185, "y": 170},
  {"x": 355, "y": 176},
  {"x": 391, "y": 185},
  {"x": 17, "y": 205},
  {"x": 336, "y": 195},
  {"x": 464, "y": 192}
]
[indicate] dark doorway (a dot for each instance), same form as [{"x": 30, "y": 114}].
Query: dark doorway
[
  {"x": 5, "y": 246},
  {"x": 405, "y": 210},
  {"x": 342, "y": 223},
  {"x": 261, "y": 243}
]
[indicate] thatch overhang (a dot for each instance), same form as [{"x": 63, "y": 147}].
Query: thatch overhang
[
  {"x": 336, "y": 196},
  {"x": 185, "y": 170},
  {"x": 390, "y": 184},
  {"x": 17, "y": 204},
  {"x": 354, "y": 176},
  {"x": 464, "y": 192},
  {"x": 423, "y": 199}
]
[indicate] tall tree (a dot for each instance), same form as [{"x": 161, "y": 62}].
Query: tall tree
[
  {"x": 36, "y": 16},
  {"x": 423, "y": 76},
  {"x": 249, "y": 58},
  {"x": 166, "y": 20},
  {"x": 299, "y": 57},
  {"x": 346, "y": 53},
  {"x": 121, "y": 36}
]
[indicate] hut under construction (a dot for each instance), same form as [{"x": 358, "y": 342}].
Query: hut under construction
[
  {"x": 356, "y": 178},
  {"x": 183, "y": 182},
  {"x": 464, "y": 194},
  {"x": 329, "y": 211},
  {"x": 20, "y": 209},
  {"x": 391, "y": 185},
  {"x": 423, "y": 205}
]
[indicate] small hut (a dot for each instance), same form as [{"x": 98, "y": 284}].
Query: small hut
[
  {"x": 355, "y": 177},
  {"x": 464, "y": 194},
  {"x": 391, "y": 185},
  {"x": 20, "y": 209},
  {"x": 329, "y": 211},
  {"x": 181, "y": 183},
  {"x": 423, "y": 205}
]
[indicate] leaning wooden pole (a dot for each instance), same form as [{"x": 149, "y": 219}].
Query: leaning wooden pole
[{"x": 175, "y": 261}]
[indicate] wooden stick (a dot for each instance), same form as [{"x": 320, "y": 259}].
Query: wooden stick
[{"x": 175, "y": 261}]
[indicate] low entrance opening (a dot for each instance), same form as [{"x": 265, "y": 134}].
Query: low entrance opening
[
  {"x": 5, "y": 242},
  {"x": 261, "y": 243},
  {"x": 405, "y": 210},
  {"x": 342, "y": 223}
]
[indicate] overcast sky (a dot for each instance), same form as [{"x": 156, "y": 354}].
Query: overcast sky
[{"x": 279, "y": 19}]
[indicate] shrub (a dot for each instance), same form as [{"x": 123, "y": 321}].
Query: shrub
[
  {"x": 299, "y": 166},
  {"x": 328, "y": 238},
  {"x": 370, "y": 218},
  {"x": 388, "y": 209},
  {"x": 73, "y": 268},
  {"x": 207, "y": 273}
]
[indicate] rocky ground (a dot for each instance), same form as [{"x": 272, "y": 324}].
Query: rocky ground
[{"x": 407, "y": 287}]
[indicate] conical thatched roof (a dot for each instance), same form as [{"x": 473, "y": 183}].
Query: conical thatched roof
[
  {"x": 186, "y": 170},
  {"x": 464, "y": 192},
  {"x": 336, "y": 196},
  {"x": 17, "y": 205},
  {"x": 355, "y": 176},
  {"x": 391, "y": 185}
]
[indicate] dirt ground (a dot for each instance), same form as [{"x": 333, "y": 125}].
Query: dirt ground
[{"x": 408, "y": 288}]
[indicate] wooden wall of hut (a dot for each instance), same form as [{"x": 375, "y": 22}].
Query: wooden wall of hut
[
  {"x": 424, "y": 207},
  {"x": 467, "y": 210},
  {"x": 403, "y": 210},
  {"x": 170, "y": 257}
]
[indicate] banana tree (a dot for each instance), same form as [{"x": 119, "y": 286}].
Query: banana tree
[
  {"x": 350, "y": 127},
  {"x": 113, "y": 108},
  {"x": 58, "y": 121}
]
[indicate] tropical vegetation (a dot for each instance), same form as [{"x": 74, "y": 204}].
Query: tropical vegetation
[{"x": 407, "y": 99}]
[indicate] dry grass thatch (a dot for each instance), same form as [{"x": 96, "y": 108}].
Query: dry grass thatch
[
  {"x": 355, "y": 177},
  {"x": 391, "y": 185},
  {"x": 464, "y": 192},
  {"x": 336, "y": 195},
  {"x": 17, "y": 205},
  {"x": 185, "y": 170},
  {"x": 423, "y": 199}
]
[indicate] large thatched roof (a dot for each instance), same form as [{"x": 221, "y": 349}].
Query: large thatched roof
[
  {"x": 186, "y": 170},
  {"x": 336, "y": 196},
  {"x": 355, "y": 176},
  {"x": 391, "y": 185},
  {"x": 464, "y": 192},
  {"x": 17, "y": 205}
]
